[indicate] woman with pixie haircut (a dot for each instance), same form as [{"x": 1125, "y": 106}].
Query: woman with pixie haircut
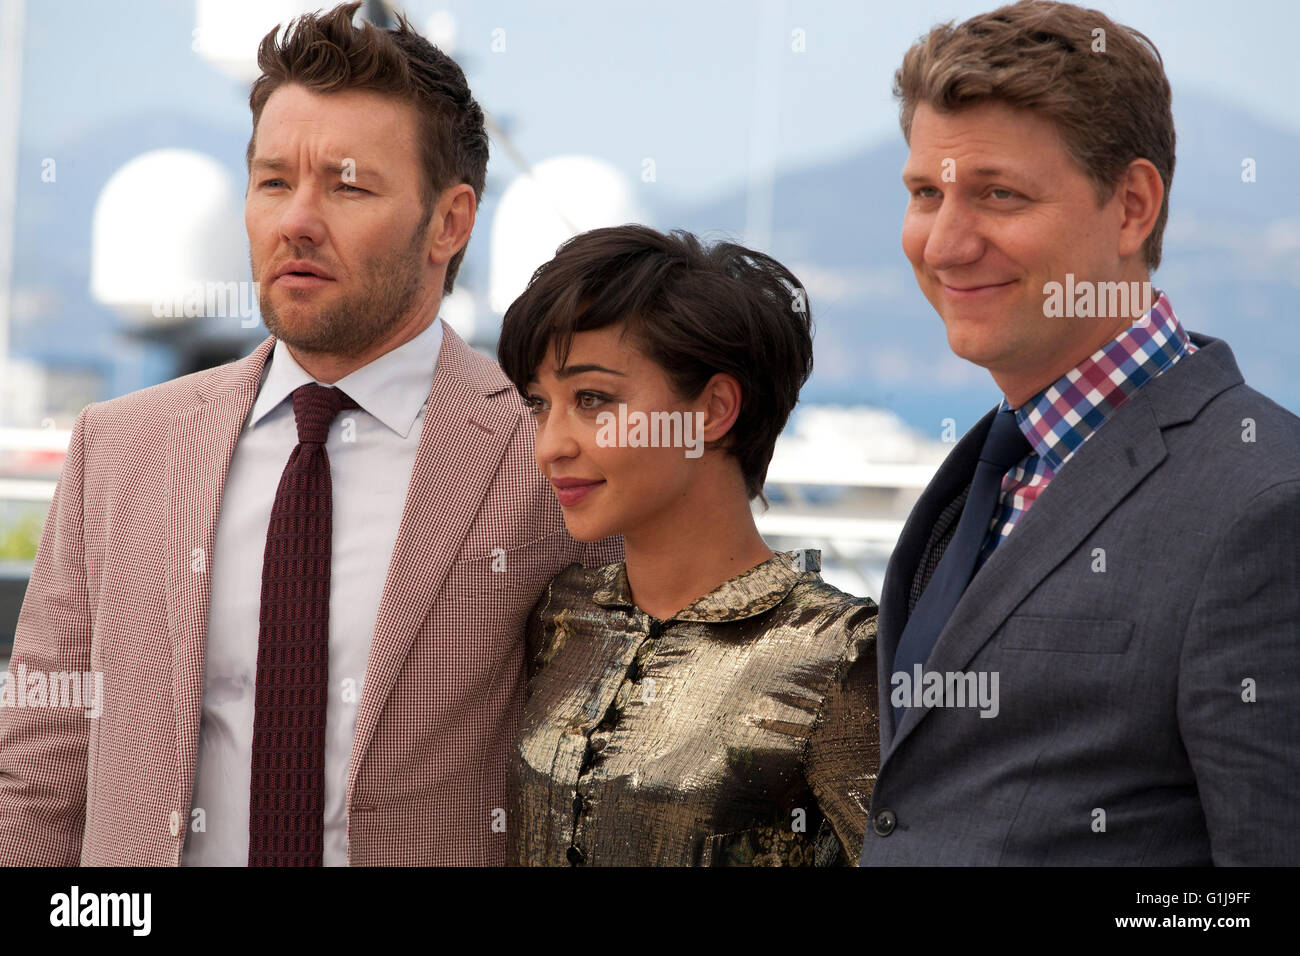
[{"x": 706, "y": 701}]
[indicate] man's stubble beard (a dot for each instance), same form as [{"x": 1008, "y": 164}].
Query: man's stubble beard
[{"x": 352, "y": 324}]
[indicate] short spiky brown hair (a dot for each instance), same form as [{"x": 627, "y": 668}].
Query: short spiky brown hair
[
  {"x": 327, "y": 54},
  {"x": 1110, "y": 107}
]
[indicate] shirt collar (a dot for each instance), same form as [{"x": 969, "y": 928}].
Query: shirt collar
[
  {"x": 393, "y": 388},
  {"x": 1062, "y": 416},
  {"x": 759, "y": 589}
]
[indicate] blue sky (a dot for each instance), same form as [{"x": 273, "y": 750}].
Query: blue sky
[
  {"x": 674, "y": 80},
  {"x": 705, "y": 88}
]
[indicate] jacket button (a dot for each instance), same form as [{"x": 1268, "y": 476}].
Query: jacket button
[
  {"x": 576, "y": 856},
  {"x": 884, "y": 823},
  {"x": 174, "y": 824}
]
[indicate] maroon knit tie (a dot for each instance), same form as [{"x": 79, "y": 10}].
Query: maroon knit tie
[{"x": 286, "y": 819}]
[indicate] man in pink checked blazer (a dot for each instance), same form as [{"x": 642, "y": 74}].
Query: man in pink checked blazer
[{"x": 150, "y": 571}]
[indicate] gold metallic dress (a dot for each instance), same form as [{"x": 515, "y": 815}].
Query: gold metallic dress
[{"x": 741, "y": 731}]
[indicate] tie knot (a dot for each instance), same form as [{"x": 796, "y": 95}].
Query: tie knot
[
  {"x": 315, "y": 407},
  {"x": 1006, "y": 443}
]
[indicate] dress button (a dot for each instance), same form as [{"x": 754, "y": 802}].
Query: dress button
[
  {"x": 884, "y": 823},
  {"x": 576, "y": 856}
]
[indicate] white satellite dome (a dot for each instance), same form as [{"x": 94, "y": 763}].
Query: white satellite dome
[
  {"x": 561, "y": 198},
  {"x": 167, "y": 221}
]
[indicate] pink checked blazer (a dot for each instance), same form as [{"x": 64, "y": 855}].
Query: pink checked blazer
[{"x": 120, "y": 587}]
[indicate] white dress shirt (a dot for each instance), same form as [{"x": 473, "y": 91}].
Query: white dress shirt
[{"x": 372, "y": 454}]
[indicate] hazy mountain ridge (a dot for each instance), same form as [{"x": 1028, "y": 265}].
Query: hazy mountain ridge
[
  {"x": 836, "y": 225},
  {"x": 879, "y": 341}
]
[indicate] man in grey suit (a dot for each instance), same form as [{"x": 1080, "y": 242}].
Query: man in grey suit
[{"x": 1089, "y": 628}]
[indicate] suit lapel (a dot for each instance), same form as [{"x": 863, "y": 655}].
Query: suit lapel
[
  {"x": 1101, "y": 474},
  {"x": 463, "y": 440},
  {"x": 200, "y": 443},
  {"x": 953, "y": 475}
]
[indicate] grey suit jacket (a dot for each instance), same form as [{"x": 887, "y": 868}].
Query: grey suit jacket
[{"x": 1143, "y": 624}]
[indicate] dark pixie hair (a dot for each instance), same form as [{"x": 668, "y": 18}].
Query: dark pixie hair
[
  {"x": 1101, "y": 83},
  {"x": 327, "y": 54},
  {"x": 693, "y": 310}
]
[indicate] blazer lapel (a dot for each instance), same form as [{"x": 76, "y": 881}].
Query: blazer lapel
[
  {"x": 953, "y": 475},
  {"x": 1100, "y": 475},
  {"x": 463, "y": 440},
  {"x": 200, "y": 442}
]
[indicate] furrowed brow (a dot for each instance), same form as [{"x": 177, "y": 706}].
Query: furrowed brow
[{"x": 277, "y": 164}]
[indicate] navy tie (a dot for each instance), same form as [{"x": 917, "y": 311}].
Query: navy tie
[{"x": 1004, "y": 446}]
